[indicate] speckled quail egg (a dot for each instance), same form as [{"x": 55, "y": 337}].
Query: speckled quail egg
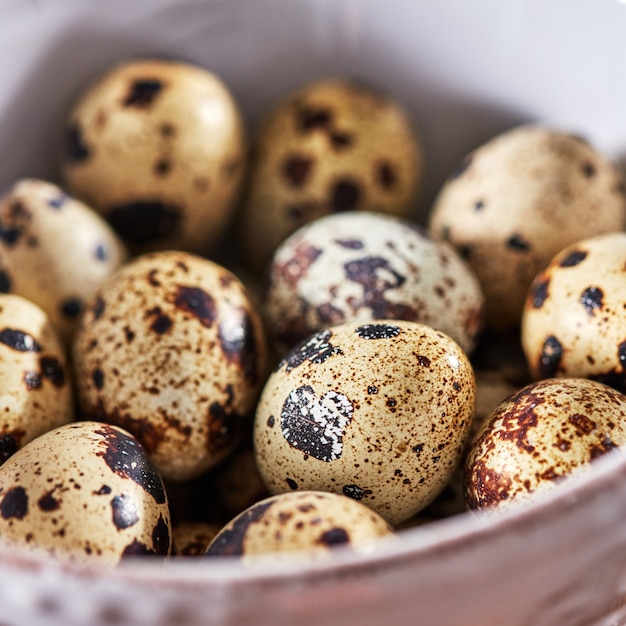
[
  {"x": 305, "y": 521},
  {"x": 542, "y": 434},
  {"x": 170, "y": 349},
  {"x": 574, "y": 322},
  {"x": 158, "y": 147},
  {"x": 193, "y": 538},
  {"x": 517, "y": 200},
  {"x": 35, "y": 384},
  {"x": 54, "y": 250},
  {"x": 333, "y": 145},
  {"x": 378, "y": 412},
  {"x": 363, "y": 266},
  {"x": 86, "y": 492}
]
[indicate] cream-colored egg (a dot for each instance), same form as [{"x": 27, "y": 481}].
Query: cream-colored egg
[
  {"x": 35, "y": 382},
  {"x": 517, "y": 200},
  {"x": 362, "y": 266},
  {"x": 333, "y": 145},
  {"x": 170, "y": 349},
  {"x": 574, "y": 321},
  {"x": 158, "y": 147},
  {"x": 542, "y": 434},
  {"x": 378, "y": 412},
  {"x": 305, "y": 521},
  {"x": 86, "y": 492},
  {"x": 54, "y": 250},
  {"x": 193, "y": 538}
]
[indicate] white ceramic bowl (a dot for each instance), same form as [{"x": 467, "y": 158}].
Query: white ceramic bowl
[{"x": 465, "y": 70}]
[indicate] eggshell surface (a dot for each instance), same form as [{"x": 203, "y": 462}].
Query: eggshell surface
[
  {"x": 304, "y": 521},
  {"x": 378, "y": 412},
  {"x": 85, "y": 492},
  {"x": 516, "y": 201},
  {"x": 170, "y": 349},
  {"x": 35, "y": 382},
  {"x": 158, "y": 147},
  {"x": 54, "y": 250},
  {"x": 542, "y": 434},
  {"x": 574, "y": 320},
  {"x": 362, "y": 266},
  {"x": 334, "y": 145}
]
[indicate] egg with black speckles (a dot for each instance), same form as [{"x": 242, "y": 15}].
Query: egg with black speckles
[
  {"x": 171, "y": 349},
  {"x": 85, "y": 492},
  {"x": 362, "y": 266},
  {"x": 331, "y": 146},
  {"x": 378, "y": 412},
  {"x": 543, "y": 434},
  {"x": 518, "y": 199},
  {"x": 574, "y": 321},
  {"x": 54, "y": 250},
  {"x": 159, "y": 148},
  {"x": 35, "y": 381},
  {"x": 193, "y": 538},
  {"x": 307, "y": 521}
]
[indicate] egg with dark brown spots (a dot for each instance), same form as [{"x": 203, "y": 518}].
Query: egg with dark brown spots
[
  {"x": 574, "y": 321},
  {"x": 332, "y": 146},
  {"x": 378, "y": 412},
  {"x": 516, "y": 201},
  {"x": 85, "y": 492},
  {"x": 543, "y": 434},
  {"x": 35, "y": 382},
  {"x": 55, "y": 250},
  {"x": 307, "y": 521},
  {"x": 363, "y": 266},
  {"x": 170, "y": 349},
  {"x": 159, "y": 148},
  {"x": 193, "y": 538}
]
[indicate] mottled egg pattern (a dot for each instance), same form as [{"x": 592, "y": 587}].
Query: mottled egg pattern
[
  {"x": 54, "y": 250},
  {"x": 170, "y": 349},
  {"x": 542, "y": 434},
  {"x": 574, "y": 321},
  {"x": 193, "y": 538},
  {"x": 158, "y": 147},
  {"x": 378, "y": 412},
  {"x": 332, "y": 146},
  {"x": 304, "y": 521},
  {"x": 35, "y": 383},
  {"x": 364, "y": 266},
  {"x": 86, "y": 492},
  {"x": 516, "y": 201}
]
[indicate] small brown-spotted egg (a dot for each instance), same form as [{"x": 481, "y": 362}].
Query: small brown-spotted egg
[
  {"x": 542, "y": 434},
  {"x": 574, "y": 321},
  {"x": 158, "y": 147},
  {"x": 170, "y": 349},
  {"x": 193, "y": 538},
  {"x": 54, "y": 250},
  {"x": 362, "y": 266},
  {"x": 517, "y": 200},
  {"x": 309, "y": 521},
  {"x": 333, "y": 145},
  {"x": 86, "y": 492},
  {"x": 378, "y": 412},
  {"x": 35, "y": 384}
]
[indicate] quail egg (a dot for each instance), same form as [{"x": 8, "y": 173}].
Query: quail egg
[
  {"x": 378, "y": 412},
  {"x": 305, "y": 521},
  {"x": 54, "y": 250},
  {"x": 158, "y": 147},
  {"x": 170, "y": 349},
  {"x": 193, "y": 538},
  {"x": 35, "y": 383},
  {"x": 87, "y": 492},
  {"x": 542, "y": 434},
  {"x": 517, "y": 200},
  {"x": 333, "y": 145},
  {"x": 362, "y": 266}
]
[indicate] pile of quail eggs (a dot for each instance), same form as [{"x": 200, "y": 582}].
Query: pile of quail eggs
[{"x": 216, "y": 345}]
